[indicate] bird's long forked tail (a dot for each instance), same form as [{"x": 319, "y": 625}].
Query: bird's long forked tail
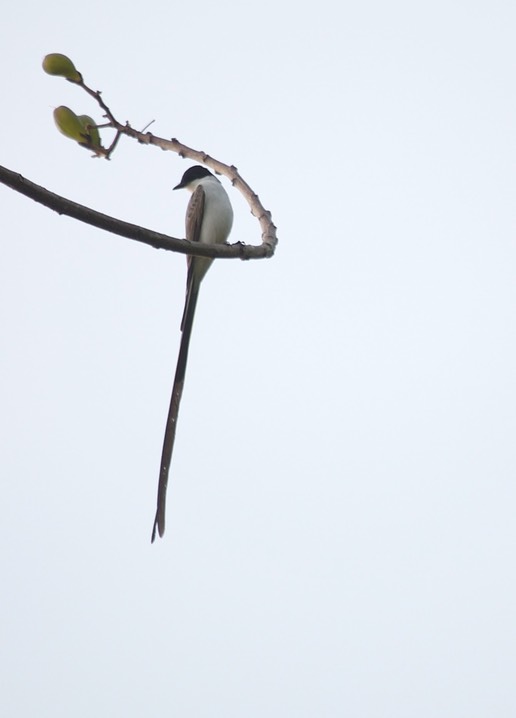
[{"x": 175, "y": 401}]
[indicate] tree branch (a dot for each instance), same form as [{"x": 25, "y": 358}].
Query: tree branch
[
  {"x": 61, "y": 205},
  {"x": 131, "y": 231},
  {"x": 231, "y": 172},
  {"x": 263, "y": 216}
]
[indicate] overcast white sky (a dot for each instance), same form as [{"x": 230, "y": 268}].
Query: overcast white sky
[{"x": 341, "y": 531}]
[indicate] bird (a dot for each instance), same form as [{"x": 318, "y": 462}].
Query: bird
[{"x": 209, "y": 219}]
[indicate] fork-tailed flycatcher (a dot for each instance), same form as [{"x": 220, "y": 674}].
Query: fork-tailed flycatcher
[{"x": 209, "y": 218}]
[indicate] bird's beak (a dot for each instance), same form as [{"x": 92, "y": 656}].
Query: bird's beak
[{"x": 179, "y": 186}]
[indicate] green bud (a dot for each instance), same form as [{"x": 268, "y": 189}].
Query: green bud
[
  {"x": 68, "y": 123},
  {"x": 91, "y": 135},
  {"x": 57, "y": 64}
]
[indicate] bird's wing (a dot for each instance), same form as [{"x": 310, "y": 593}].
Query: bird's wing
[{"x": 194, "y": 215}]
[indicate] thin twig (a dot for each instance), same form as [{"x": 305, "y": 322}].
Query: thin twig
[{"x": 263, "y": 215}]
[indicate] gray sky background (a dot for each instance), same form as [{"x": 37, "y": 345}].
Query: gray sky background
[{"x": 341, "y": 534}]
